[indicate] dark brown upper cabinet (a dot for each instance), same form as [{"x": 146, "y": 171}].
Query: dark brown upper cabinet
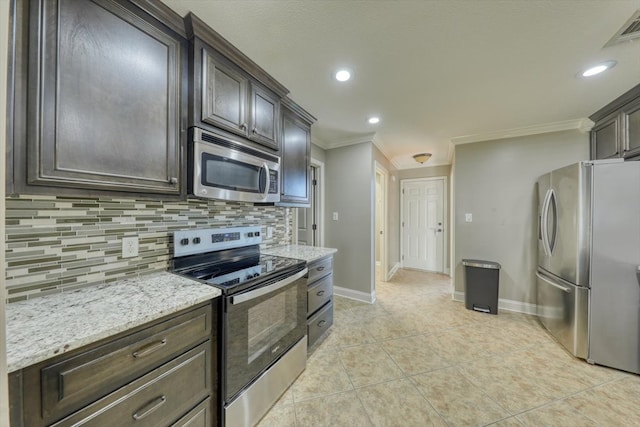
[
  {"x": 616, "y": 132},
  {"x": 228, "y": 91},
  {"x": 295, "y": 155},
  {"x": 99, "y": 98}
]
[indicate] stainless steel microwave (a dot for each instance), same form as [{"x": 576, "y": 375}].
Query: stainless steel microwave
[{"x": 221, "y": 168}]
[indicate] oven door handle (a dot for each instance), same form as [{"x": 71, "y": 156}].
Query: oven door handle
[{"x": 248, "y": 296}]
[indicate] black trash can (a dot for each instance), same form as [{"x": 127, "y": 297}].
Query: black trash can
[{"x": 481, "y": 285}]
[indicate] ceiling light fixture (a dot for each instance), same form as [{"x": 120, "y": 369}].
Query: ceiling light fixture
[
  {"x": 343, "y": 75},
  {"x": 597, "y": 69},
  {"x": 374, "y": 120},
  {"x": 422, "y": 157}
]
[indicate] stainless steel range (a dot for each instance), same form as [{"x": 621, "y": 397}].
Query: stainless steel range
[{"x": 263, "y": 315}]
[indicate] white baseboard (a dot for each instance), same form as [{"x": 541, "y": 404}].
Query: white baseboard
[
  {"x": 355, "y": 295},
  {"x": 393, "y": 271},
  {"x": 505, "y": 304},
  {"x": 447, "y": 271}
]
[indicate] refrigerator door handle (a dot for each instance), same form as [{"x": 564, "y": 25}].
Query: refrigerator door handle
[
  {"x": 544, "y": 222},
  {"x": 638, "y": 274},
  {"x": 555, "y": 285},
  {"x": 554, "y": 239}
]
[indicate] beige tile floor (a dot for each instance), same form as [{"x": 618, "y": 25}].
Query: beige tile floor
[{"x": 417, "y": 358}]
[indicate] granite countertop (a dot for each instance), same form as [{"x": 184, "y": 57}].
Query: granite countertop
[
  {"x": 48, "y": 326},
  {"x": 307, "y": 253}
]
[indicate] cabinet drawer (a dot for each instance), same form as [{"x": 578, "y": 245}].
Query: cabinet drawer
[
  {"x": 159, "y": 398},
  {"x": 319, "y": 323},
  {"x": 75, "y": 382},
  {"x": 319, "y": 293},
  {"x": 200, "y": 416},
  {"x": 320, "y": 269}
]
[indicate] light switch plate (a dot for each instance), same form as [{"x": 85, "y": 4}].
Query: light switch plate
[
  {"x": 335, "y": 216},
  {"x": 129, "y": 247},
  {"x": 269, "y": 232},
  {"x": 468, "y": 217}
]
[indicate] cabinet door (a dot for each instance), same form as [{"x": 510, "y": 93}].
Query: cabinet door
[
  {"x": 224, "y": 94},
  {"x": 296, "y": 159},
  {"x": 264, "y": 117},
  {"x": 632, "y": 122},
  {"x": 605, "y": 139},
  {"x": 104, "y": 91}
]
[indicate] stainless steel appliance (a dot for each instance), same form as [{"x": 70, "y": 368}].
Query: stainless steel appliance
[
  {"x": 221, "y": 168},
  {"x": 264, "y": 310},
  {"x": 588, "y": 288}
]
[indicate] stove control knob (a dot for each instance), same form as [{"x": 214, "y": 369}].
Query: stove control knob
[
  {"x": 196, "y": 240},
  {"x": 257, "y": 234},
  {"x": 184, "y": 242},
  {"x": 249, "y": 234}
]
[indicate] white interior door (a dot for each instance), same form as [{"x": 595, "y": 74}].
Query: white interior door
[{"x": 423, "y": 224}]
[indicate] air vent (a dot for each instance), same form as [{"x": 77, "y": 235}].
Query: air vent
[{"x": 629, "y": 31}]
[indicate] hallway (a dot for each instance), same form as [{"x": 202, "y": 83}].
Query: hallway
[{"x": 417, "y": 358}]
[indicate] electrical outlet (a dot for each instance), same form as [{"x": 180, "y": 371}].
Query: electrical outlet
[
  {"x": 468, "y": 217},
  {"x": 129, "y": 247},
  {"x": 269, "y": 232}
]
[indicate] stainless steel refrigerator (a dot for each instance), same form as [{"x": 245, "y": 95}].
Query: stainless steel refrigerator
[{"x": 588, "y": 277}]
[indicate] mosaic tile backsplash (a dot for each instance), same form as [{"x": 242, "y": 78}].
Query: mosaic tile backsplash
[{"x": 54, "y": 244}]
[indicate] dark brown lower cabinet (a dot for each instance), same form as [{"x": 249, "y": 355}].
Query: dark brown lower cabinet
[
  {"x": 159, "y": 374},
  {"x": 319, "y": 299}
]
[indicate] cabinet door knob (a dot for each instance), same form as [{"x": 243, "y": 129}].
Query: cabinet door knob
[
  {"x": 320, "y": 293},
  {"x": 244, "y": 126},
  {"x": 173, "y": 180},
  {"x": 320, "y": 268},
  {"x": 322, "y": 323}
]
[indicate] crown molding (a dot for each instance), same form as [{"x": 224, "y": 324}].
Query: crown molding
[
  {"x": 352, "y": 141},
  {"x": 583, "y": 125},
  {"x": 320, "y": 143},
  {"x": 402, "y": 166},
  {"x": 380, "y": 145}
]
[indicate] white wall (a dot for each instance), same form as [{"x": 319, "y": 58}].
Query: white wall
[
  {"x": 318, "y": 153},
  {"x": 349, "y": 192},
  {"x": 495, "y": 182},
  {"x": 4, "y": 43}
]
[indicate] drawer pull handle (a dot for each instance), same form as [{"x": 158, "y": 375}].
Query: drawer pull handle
[
  {"x": 322, "y": 323},
  {"x": 320, "y": 268},
  {"x": 320, "y": 293},
  {"x": 148, "y": 349},
  {"x": 149, "y": 408}
]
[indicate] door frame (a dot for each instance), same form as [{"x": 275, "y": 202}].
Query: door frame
[
  {"x": 445, "y": 218},
  {"x": 384, "y": 241},
  {"x": 319, "y": 206}
]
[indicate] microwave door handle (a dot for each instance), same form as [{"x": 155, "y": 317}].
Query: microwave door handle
[{"x": 267, "y": 181}]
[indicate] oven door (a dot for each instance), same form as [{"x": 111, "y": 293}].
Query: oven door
[{"x": 260, "y": 325}]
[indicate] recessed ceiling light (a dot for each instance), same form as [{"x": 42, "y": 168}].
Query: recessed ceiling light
[
  {"x": 343, "y": 75},
  {"x": 374, "y": 120},
  {"x": 599, "y": 68}
]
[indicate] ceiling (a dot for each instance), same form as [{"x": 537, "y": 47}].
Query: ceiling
[{"x": 434, "y": 71}]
